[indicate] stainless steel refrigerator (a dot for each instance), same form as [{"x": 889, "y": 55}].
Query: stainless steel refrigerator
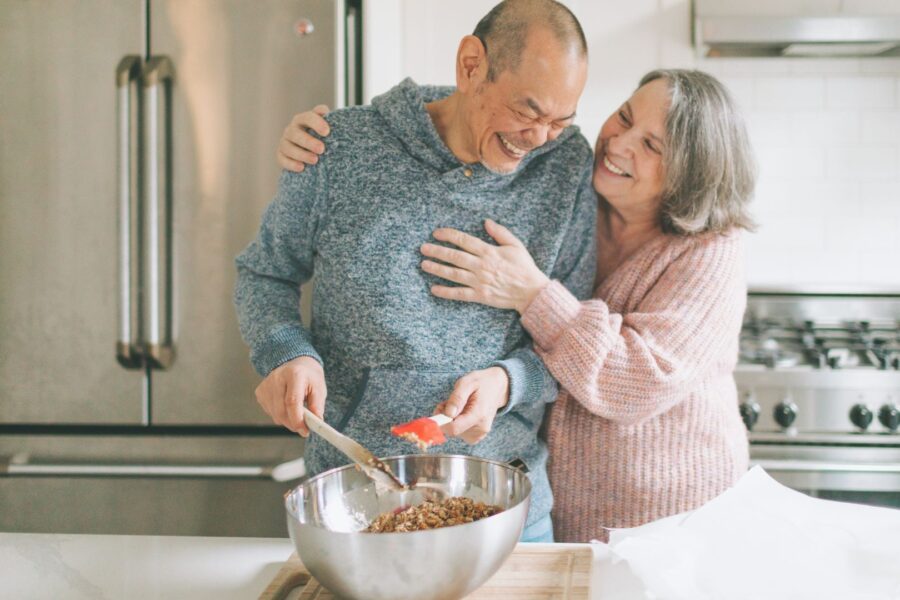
[{"x": 137, "y": 152}]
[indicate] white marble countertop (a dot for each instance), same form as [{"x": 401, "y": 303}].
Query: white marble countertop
[{"x": 137, "y": 567}]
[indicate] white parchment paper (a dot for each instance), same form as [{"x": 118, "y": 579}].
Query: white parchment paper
[{"x": 759, "y": 540}]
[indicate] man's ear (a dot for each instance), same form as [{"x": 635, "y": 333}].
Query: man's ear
[{"x": 471, "y": 63}]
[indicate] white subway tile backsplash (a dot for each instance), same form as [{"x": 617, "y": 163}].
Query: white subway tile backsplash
[
  {"x": 880, "y": 199},
  {"x": 807, "y": 196},
  {"x": 791, "y": 233},
  {"x": 741, "y": 89},
  {"x": 861, "y": 234},
  {"x": 879, "y": 269},
  {"x": 835, "y": 197},
  {"x": 769, "y": 128},
  {"x": 774, "y": 196},
  {"x": 780, "y": 93},
  {"x": 765, "y": 266},
  {"x": 831, "y": 267},
  {"x": 791, "y": 161},
  {"x": 880, "y": 127},
  {"x": 860, "y": 92},
  {"x": 815, "y": 127},
  {"x": 862, "y": 162}
]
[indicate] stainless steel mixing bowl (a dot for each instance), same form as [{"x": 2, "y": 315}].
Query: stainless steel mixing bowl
[{"x": 326, "y": 514}]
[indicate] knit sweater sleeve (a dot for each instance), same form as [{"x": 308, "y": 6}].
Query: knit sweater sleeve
[
  {"x": 529, "y": 379},
  {"x": 631, "y": 367},
  {"x": 274, "y": 266}
]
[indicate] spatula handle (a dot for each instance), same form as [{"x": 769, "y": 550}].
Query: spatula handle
[
  {"x": 441, "y": 419},
  {"x": 354, "y": 450}
]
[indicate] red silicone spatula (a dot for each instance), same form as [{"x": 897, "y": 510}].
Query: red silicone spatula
[{"x": 424, "y": 431}]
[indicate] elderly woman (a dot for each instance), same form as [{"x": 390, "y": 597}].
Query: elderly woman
[{"x": 647, "y": 422}]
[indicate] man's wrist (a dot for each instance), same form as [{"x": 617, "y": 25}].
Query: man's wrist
[
  {"x": 503, "y": 376},
  {"x": 312, "y": 361}
]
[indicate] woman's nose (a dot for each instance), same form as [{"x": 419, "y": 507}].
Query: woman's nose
[{"x": 621, "y": 144}]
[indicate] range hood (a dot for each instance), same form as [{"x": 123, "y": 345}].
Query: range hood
[{"x": 814, "y": 28}]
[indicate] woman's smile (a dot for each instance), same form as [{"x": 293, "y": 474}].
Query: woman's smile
[{"x": 613, "y": 168}]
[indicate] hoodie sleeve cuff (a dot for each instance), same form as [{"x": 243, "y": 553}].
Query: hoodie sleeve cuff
[
  {"x": 285, "y": 344},
  {"x": 549, "y": 314},
  {"x": 529, "y": 381}
]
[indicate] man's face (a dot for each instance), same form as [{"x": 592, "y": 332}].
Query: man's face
[{"x": 523, "y": 109}]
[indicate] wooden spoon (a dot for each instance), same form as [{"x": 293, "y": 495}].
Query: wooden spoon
[{"x": 379, "y": 472}]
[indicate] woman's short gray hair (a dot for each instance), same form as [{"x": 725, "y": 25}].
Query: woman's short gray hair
[{"x": 710, "y": 168}]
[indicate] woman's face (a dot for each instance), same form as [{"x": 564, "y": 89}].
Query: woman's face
[{"x": 628, "y": 166}]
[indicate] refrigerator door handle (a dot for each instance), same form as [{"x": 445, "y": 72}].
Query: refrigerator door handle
[
  {"x": 352, "y": 21},
  {"x": 128, "y": 351},
  {"x": 157, "y": 219},
  {"x": 19, "y": 466}
]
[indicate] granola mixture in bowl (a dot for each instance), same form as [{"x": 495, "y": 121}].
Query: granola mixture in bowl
[{"x": 432, "y": 515}]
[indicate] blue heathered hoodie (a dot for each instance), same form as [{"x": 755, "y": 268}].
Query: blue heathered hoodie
[{"x": 391, "y": 351}]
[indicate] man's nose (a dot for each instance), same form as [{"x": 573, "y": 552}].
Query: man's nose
[{"x": 538, "y": 135}]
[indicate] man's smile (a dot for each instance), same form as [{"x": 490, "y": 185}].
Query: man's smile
[{"x": 510, "y": 148}]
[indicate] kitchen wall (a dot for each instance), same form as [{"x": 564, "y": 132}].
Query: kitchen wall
[{"x": 826, "y": 131}]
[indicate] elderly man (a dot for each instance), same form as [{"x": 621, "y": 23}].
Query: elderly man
[{"x": 499, "y": 146}]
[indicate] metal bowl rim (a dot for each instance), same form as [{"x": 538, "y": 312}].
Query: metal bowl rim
[{"x": 289, "y": 494}]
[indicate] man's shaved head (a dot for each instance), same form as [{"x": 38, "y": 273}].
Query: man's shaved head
[
  {"x": 503, "y": 31},
  {"x": 518, "y": 80}
]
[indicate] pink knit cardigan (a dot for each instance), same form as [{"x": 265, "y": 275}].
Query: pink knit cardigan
[{"x": 646, "y": 424}]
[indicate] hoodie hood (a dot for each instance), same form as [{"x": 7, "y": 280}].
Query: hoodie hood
[{"x": 403, "y": 108}]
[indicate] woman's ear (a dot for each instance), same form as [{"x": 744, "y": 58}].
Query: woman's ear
[{"x": 471, "y": 64}]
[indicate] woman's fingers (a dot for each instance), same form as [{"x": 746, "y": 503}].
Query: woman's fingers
[
  {"x": 501, "y": 234},
  {"x": 288, "y": 163},
  {"x": 311, "y": 120},
  {"x": 469, "y": 243},
  {"x": 303, "y": 140},
  {"x": 462, "y": 294},
  {"x": 298, "y": 147},
  {"x": 456, "y": 258},
  {"x": 296, "y": 154},
  {"x": 449, "y": 273}
]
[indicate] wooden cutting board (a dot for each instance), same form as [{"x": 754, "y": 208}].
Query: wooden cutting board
[{"x": 532, "y": 572}]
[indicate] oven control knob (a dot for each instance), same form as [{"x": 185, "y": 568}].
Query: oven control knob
[
  {"x": 785, "y": 413},
  {"x": 889, "y": 415},
  {"x": 861, "y": 416},
  {"x": 749, "y": 413}
]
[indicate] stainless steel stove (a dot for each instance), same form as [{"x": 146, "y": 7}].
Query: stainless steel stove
[{"x": 819, "y": 384}]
